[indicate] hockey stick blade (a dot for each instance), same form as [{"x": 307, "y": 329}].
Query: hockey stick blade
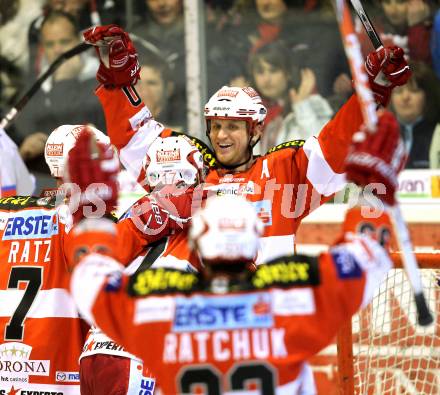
[
  {"x": 12, "y": 113},
  {"x": 369, "y": 28}
]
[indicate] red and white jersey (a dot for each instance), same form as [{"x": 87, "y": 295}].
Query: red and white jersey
[
  {"x": 42, "y": 334},
  {"x": 284, "y": 185},
  {"x": 259, "y": 331}
]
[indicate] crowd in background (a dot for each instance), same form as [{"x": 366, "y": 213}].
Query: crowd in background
[{"x": 289, "y": 50}]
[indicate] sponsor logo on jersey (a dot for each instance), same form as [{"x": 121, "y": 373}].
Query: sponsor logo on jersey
[
  {"x": 287, "y": 271},
  {"x": 35, "y": 389},
  {"x": 288, "y": 144},
  {"x": 147, "y": 385},
  {"x": 16, "y": 200},
  {"x": 162, "y": 280},
  {"x": 31, "y": 224},
  {"x": 234, "y": 188},
  {"x": 222, "y": 312},
  {"x": 15, "y": 365},
  {"x": 154, "y": 309},
  {"x": 264, "y": 211},
  {"x": 54, "y": 149},
  {"x": 297, "y": 301},
  {"x": 346, "y": 264},
  {"x": 166, "y": 156},
  {"x": 67, "y": 377}
]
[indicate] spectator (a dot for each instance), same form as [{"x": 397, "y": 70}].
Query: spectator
[
  {"x": 416, "y": 106},
  {"x": 162, "y": 27},
  {"x": 312, "y": 39},
  {"x": 156, "y": 88},
  {"x": 405, "y": 23},
  {"x": 85, "y": 12},
  {"x": 15, "y": 17},
  {"x": 295, "y": 110},
  {"x": 63, "y": 98}
]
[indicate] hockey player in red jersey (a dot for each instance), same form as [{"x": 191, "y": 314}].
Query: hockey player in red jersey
[
  {"x": 227, "y": 328},
  {"x": 284, "y": 185},
  {"x": 106, "y": 368},
  {"x": 42, "y": 334}
]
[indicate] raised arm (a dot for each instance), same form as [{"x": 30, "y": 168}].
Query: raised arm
[{"x": 129, "y": 122}]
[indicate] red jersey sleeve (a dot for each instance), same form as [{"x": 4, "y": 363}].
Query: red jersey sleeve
[{"x": 130, "y": 125}]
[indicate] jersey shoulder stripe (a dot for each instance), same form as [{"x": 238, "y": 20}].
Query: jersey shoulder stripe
[
  {"x": 293, "y": 144},
  {"x": 161, "y": 281},
  {"x": 16, "y": 203},
  {"x": 287, "y": 271}
]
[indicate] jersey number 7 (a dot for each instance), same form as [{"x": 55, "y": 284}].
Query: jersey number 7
[{"x": 33, "y": 276}]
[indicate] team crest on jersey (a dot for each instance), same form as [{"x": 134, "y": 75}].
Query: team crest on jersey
[
  {"x": 222, "y": 312},
  {"x": 287, "y": 271}
]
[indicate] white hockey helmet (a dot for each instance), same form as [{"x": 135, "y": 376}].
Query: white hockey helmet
[
  {"x": 173, "y": 160},
  {"x": 226, "y": 230},
  {"x": 61, "y": 141},
  {"x": 236, "y": 103}
]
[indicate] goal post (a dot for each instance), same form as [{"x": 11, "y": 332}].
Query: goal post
[{"x": 383, "y": 350}]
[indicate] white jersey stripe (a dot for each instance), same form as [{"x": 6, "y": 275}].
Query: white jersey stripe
[
  {"x": 55, "y": 302},
  {"x": 134, "y": 152},
  {"x": 319, "y": 172}
]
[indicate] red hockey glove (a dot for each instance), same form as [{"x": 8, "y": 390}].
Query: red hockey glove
[
  {"x": 386, "y": 68},
  {"x": 165, "y": 211},
  {"x": 377, "y": 157},
  {"x": 93, "y": 167},
  {"x": 119, "y": 64}
]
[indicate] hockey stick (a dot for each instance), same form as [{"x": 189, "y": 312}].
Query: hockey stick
[
  {"x": 368, "y": 106},
  {"x": 369, "y": 28},
  {"x": 12, "y": 113}
]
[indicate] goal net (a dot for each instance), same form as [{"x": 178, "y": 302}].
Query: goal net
[{"x": 392, "y": 354}]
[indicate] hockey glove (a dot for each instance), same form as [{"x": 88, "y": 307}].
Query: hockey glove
[
  {"x": 166, "y": 211},
  {"x": 377, "y": 158},
  {"x": 92, "y": 168},
  {"x": 386, "y": 68},
  {"x": 119, "y": 64}
]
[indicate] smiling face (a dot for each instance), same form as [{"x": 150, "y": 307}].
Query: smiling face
[{"x": 230, "y": 141}]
